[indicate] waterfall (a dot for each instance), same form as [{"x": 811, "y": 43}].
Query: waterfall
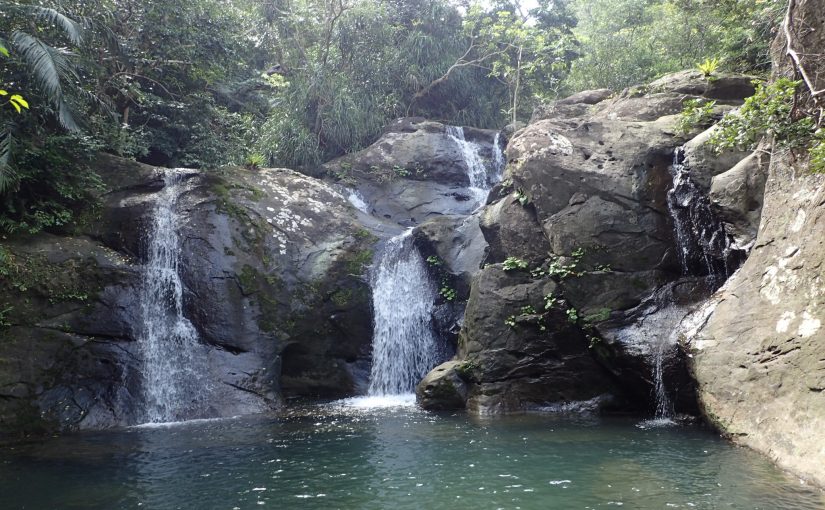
[
  {"x": 476, "y": 170},
  {"x": 664, "y": 408},
  {"x": 704, "y": 247},
  {"x": 171, "y": 353},
  {"x": 355, "y": 199},
  {"x": 499, "y": 160},
  {"x": 404, "y": 344}
]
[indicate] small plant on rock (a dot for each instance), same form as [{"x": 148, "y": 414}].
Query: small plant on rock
[
  {"x": 254, "y": 161},
  {"x": 448, "y": 293},
  {"x": 514, "y": 264},
  {"x": 522, "y": 197},
  {"x": 708, "y": 67}
]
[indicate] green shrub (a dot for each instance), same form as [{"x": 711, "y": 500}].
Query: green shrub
[
  {"x": 708, "y": 67},
  {"x": 695, "y": 113},
  {"x": 767, "y": 112}
]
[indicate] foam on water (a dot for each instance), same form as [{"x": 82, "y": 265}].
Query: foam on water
[
  {"x": 656, "y": 423},
  {"x": 404, "y": 400},
  {"x": 172, "y": 424}
]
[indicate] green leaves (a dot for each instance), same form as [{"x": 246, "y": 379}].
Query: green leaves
[
  {"x": 695, "y": 113},
  {"x": 50, "y": 68},
  {"x": 767, "y": 112},
  {"x": 515, "y": 264},
  {"x": 16, "y": 100}
]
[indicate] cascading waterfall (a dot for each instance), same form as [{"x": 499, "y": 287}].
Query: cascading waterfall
[
  {"x": 705, "y": 248},
  {"x": 173, "y": 387},
  {"x": 476, "y": 169},
  {"x": 404, "y": 347},
  {"x": 660, "y": 354},
  {"x": 499, "y": 160},
  {"x": 404, "y": 344}
]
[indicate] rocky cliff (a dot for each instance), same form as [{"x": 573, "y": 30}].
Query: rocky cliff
[
  {"x": 273, "y": 266},
  {"x": 582, "y": 241},
  {"x": 759, "y": 347}
]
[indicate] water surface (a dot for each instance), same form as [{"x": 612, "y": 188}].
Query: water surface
[{"x": 356, "y": 455}]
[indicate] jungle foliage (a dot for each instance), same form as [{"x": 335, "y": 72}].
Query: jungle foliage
[{"x": 293, "y": 83}]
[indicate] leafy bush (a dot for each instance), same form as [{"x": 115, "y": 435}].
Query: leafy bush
[
  {"x": 54, "y": 186},
  {"x": 767, "y": 112},
  {"x": 696, "y": 113}
]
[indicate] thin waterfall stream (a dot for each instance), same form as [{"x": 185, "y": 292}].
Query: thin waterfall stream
[
  {"x": 704, "y": 250},
  {"x": 405, "y": 345},
  {"x": 173, "y": 384},
  {"x": 477, "y": 171}
]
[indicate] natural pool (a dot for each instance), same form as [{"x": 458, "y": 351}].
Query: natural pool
[{"x": 350, "y": 456}]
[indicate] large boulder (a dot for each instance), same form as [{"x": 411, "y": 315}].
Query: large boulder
[
  {"x": 443, "y": 388},
  {"x": 516, "y": 352},
  {"x": 736, "y": 196},
  {"x": 583, "y": 206},
  {"x": 416, "y": 170}
]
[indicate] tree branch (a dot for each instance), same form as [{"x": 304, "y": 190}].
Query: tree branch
[{"x": 791, "y": 52}]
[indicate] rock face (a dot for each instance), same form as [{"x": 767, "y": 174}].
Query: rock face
[
  {"x": 582, "y": 227},
  {"x": 414, "y": 172},
  {"x": 758, "y": 359},
  {"x": 512, "y": 352},
  {"x": 271, "y": 263},
  {"x": 759, "y": 346}
]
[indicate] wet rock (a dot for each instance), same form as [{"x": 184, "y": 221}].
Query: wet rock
[{"x": 443, "y": 388}]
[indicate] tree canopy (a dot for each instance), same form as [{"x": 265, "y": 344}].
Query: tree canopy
[{"x": 294, "y": 83}]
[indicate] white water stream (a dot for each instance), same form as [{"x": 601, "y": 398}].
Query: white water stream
[
  {"x": 404, "y": 345},
  {"x": 172, "y": 356},
  {"x": 477, "y": 172}
]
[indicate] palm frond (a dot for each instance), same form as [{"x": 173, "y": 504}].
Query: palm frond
[
  {"x": 50, "y": 68},
  {"x": 73, "y": 29},
  {"x": 6, "y": 170}
]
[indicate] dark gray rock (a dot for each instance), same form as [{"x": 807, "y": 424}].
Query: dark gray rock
[
  {"x": 539, "y": 358},
  {"x": 443, "y": 388}
]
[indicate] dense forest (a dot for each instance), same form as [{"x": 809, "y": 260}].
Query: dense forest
[{"x": 294, "y": 83}]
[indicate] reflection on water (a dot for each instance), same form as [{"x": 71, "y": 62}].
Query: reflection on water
[{"x": 350, "y": 455}]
